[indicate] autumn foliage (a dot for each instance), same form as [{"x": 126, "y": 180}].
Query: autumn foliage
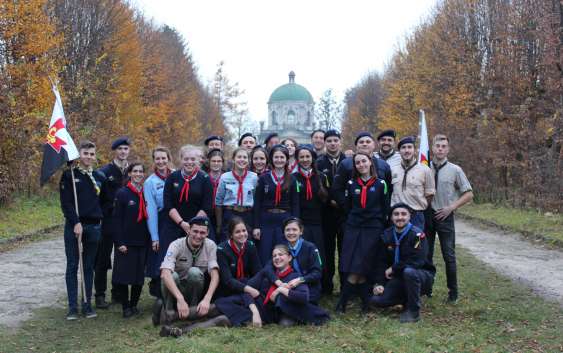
[
  {"x": 117, "y": 72},
  {"x": 488, "y": 74}
]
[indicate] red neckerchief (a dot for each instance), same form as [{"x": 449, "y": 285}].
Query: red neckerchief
[
  {"x": 364, "y": 194},
  {"x": 239, "y": 254},
  {"x": 186, "y": 188},
  {"x": 280, "y": 275},
  {"x": 292, "y": 167},
  {"x": 279, "y": 182},
  {"x": 240, "y": 179},
  {"x": 142, "y": 207},
  {"x": 308, "y": 187},
  {"x": 215, "y": 183},
  {"x": 162, "y": 177}
]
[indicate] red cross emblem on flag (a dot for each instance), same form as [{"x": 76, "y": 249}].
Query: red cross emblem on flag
[{"x": 52, "y": 139}]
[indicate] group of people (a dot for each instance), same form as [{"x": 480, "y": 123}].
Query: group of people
[{"x": 254, "y": 238}]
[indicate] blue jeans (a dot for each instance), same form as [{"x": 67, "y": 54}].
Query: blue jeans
[
  {"x": 90, "y": 238},
  {"x": 417, "y": 219}
]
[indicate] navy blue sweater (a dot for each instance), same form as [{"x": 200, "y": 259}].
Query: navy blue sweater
[
  {"x": 129, "y": 232},
  {"x": 227, "y": 260},
  {"x": 310, "y": 210},
  {"x": 264, "y": 197},
  {"x": 89, "y": 206},
  {"x": 377, "y": 204},
  {"x": 200, "y": 196},
  {"x": 114, "y": 180}
]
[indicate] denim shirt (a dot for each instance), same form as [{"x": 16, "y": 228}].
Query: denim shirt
[
  {"x": 228, "y": 189},
  {"x": 153, "y": 191}
]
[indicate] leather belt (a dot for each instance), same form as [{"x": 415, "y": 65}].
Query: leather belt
[
  {"x": 238, "y": 208},
  {"x": 276, "y": 210}
]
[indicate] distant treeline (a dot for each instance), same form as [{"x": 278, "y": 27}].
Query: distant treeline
[
  {"x": 118, "y": 74},
  {"x": 489, "y": 74}
]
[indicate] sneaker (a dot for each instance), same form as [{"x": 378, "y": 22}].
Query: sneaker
[
  {"x": 409, "y": 316},
  {"x": 88, "y": 312},
  {"x": 72, "y": 315},
  {"x": 101, "y": 303},
  {"x": 156, "y": 309}
]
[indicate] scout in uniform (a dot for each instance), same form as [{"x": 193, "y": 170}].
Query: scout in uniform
[
  {"x": 306, "y": 260},
  {"x": 275, "y": 199},
  {"x": 115, "y": 173},
  {"x": 238, "y": 261},
  {"x": 190, "y": 275},
  {"x": 453, "y": 190},
  {"x": 153, "y": 190},
  {"x": 386, "y": 141},
  {"x": 215, "y": 165},
  {"x": 211, "y": 143},
  {"x": 312, "y": 187},
  {"x": 318, "y": 141},
  {"x": 366, "y": 207},
  {"x": 235, "y": 194},
  {"x": 86, "y": 223},
  {"x": 132, "y": 239},
  {"x": 247, "y": 141},
  {"x": 332, "y": 216},
  {"x": 259, "y": 160},
  {"x": 187, "y": 193},
  {"x": 413, "y": 182},
  {"x": 403, "y": 272},
  {"x": 291, "y": 146}
]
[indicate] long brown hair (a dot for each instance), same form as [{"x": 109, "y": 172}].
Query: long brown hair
[
  {"x": 372, "y": 169},
  {"x": 323, "y": 193},
  {"x": 286, "y": 174}
]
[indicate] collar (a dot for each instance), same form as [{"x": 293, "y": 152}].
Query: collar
[
  {"x": 439, "y": 165},
  {"x": 410, "y": 164}
]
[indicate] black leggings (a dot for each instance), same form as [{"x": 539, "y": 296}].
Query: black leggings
[{"x": 123, "y": 290}]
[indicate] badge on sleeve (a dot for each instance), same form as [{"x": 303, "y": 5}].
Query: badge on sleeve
[{"x": 420, "y": 236}]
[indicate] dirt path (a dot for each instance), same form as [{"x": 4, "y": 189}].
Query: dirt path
[
  {"x": 33, "y": 275},
  {"x": 538, "y": 268}
]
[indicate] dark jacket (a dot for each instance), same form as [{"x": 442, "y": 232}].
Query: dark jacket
[
  {"x": 200, "y": 195},
  {"x": 310, "y": 210},
  {"x": 377, "y": 204},
  {"x": 114, "y": 180},
  {"x": 129, "y": 232},
  {"x": 89, "y": 206},
  {"x": 264, "y": 197},
  {"x": 227, "y": 260}
]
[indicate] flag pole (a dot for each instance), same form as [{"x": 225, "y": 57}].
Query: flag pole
[{"x": 79, "y": 239}]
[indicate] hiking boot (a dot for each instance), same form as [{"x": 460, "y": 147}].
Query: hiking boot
[
  {"x": 409, "y": 316},
  {"x": 156, "y": 309},
  {"x": 101, "y": 303},
  {"x": 88, "y": 312},
  {"x": 72, "y": 315}
]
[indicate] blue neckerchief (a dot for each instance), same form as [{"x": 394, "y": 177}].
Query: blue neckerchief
[
  {"x": 294, "y": 253},
  {"x": 398, "y": 241}
]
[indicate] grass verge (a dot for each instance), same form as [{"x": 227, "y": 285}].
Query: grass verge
[
  {"x": 493, "y": 315},
  {"x": 29, "y": 215},
  {"x": 531, "y": 223}
]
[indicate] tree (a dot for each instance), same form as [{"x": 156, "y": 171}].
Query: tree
[{"x": 328, "y": 113}]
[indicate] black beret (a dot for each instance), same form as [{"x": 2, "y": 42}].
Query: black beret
[
  {"x": 405, "y": 140},
  {"x": 242, "y": 137},
  {"x": 211, "y": 138},
  {"x": 307, "y": 147},
  {"x": 330, "y": 133},
  {"x": 200, "y": 221},
  {"x": 362, "y": 134},
  {"x": 269, "y": 137},
  {"x": 401, "y": 205},
  {"x": 388, "y": 132},
  {"x": 124, "y": 140}
]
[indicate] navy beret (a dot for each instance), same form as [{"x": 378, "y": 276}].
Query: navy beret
[
  {"x": 243, "y": 136},
  {"x": 200, "y": 221},
  {"x": 401, "y": 205},
  {"x": 405, "y": 140},
  {"x": 362, "y": 134},
  {"x": 389, "y": 132},
  {"x": 307, "y": 147},
  {"x": 269, "y": 137},
  {"x": 124, "y": 140},
  {"x": 211, "y": 138},
  {"x": 330, "y": 133}
]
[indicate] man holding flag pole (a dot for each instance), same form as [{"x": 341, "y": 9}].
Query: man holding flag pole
[{"x": 79, "y": 194}]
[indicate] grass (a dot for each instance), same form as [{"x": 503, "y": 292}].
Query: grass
[
  {"x": 547, "y": 227},
  {"x": 493, "y": 315},
  {"x": 28, "y": 215}
]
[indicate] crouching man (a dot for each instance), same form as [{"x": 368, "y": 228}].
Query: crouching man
[
  {"x": 403, "y": 272},
  {"x": 190, "y": 276}
]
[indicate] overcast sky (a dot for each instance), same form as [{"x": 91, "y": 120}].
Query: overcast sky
[{"x": 329, "y": 44}]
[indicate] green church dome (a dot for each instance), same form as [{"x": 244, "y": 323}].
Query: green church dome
[{"x": 291, "y": 92}]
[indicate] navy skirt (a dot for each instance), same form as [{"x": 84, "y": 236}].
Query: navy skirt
[
  {"x": 129, "y": 268},
  {"x": 358, "y": 249},
  {"x": 271, "y": 234},
  {"x": 228, "y": 214},
  {"x": 153, "y": 259},
  {"x": 235, "y": 307}
]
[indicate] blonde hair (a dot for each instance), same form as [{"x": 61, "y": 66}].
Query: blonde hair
[
  {"x": 189, "y": 148},
  {"x": 440, "y": 137}
]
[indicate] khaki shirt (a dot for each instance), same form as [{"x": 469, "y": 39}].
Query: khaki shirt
[
  {"x": 179, "y": 257},
  {"x": 452, "y": 183},
  {"x": 420, "y": 183},
  {"x": 394, "y": 160}
]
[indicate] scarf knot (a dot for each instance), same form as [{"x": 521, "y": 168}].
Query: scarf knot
[
  {"x": 90, "y": 173},
  {"x": 295, "y": 250},
  {"x": 142, "y": 214},
  {"x": 240, "y": 191},
  {"x": 184, "y": 193},
  {"x": 308, "y": 186},
  {"x": 239, "y": 253},
  {"x": 162, "y": 176},
  {"x": 365, "y": 187},
  {"x": 398, "y": 241},
  {"x": 278, "y": 182}
]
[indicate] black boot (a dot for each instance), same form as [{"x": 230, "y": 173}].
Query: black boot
[
  {"x": 364, "y": 293},
  {"x": 346, "y": 292},
  {"x": 101, "y": 303}
]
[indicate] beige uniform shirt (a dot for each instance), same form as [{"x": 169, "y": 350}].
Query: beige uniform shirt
[
  {"x": 420, "y": 183},
  {"x": 452, "y": 183},
  {"x": 179, "y": 257},
  {"x": 394, "y": 160}
]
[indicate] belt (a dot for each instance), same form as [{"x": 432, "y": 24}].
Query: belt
[
  {"x": 276, "y": 210},
  {"x": 238, "y": 208}
]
